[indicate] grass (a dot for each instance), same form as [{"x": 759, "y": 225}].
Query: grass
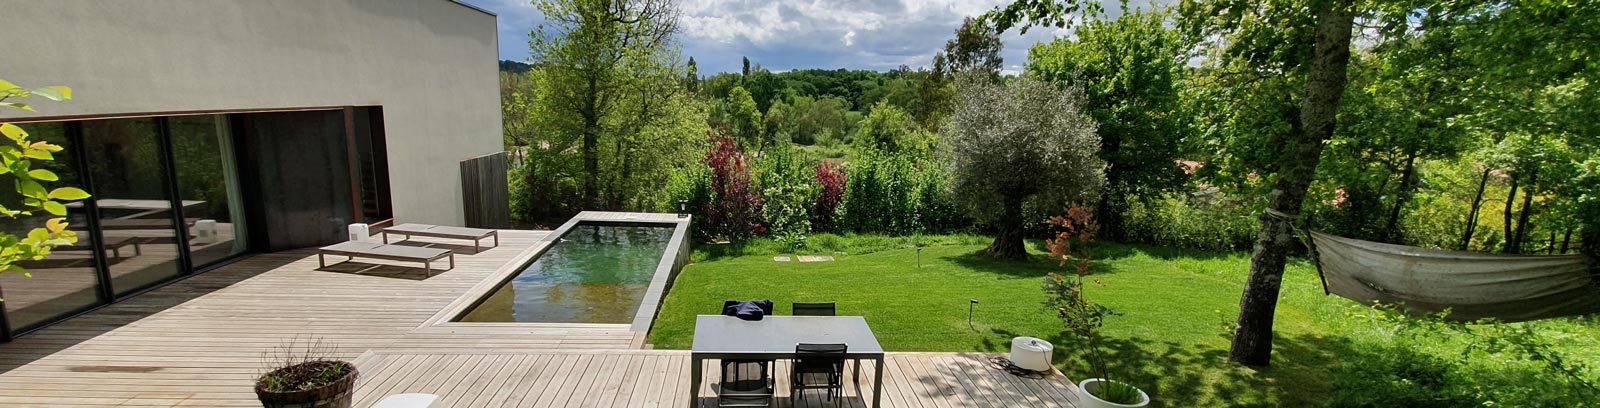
[{"x": 1171, "y": 337}]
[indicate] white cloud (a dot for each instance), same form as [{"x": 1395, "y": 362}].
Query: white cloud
[{"x": 790, "y": 34}]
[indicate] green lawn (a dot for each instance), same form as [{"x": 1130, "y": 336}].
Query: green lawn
[{"x": 1175, "y": 308}]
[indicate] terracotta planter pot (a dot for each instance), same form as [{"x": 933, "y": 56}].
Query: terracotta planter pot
[{"x": 334, "y": 395}]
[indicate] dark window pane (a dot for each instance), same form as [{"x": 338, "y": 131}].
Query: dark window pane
[
  {"x": 130, "y": 189},
  {"x": 208, "y": 183}
]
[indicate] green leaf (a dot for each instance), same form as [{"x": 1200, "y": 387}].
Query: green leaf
[
  {"x": 13, "y": 132},
  {"x": 55, "y": 208},
  {"x": 54, "y": 93},
  {"x": 7, "y": 85},
  {"x": 39, "y": 155},
  {"x": 17, "y": 105},
  {"x": 42, "y": 174},
  {"x": 32, "y": 189},
  {"x": 68, "y": 193}
]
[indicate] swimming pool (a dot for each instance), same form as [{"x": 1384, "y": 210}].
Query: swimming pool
[{"x": 595, "y": 272}]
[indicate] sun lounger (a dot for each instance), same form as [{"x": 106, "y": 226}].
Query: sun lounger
[
  {"x": 435, "y": 231},
  {"x": 115, "y": 244},
  {"x": 353, "y": 249},
  {"x": 143, "y": 223}
]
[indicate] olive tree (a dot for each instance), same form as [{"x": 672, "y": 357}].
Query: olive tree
[{"x": 1012, "y": 144}]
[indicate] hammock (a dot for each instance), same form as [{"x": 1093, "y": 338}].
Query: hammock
[{"x": 1472, "y": 286}]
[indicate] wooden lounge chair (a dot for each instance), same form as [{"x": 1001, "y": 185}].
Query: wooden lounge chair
[
  {"x": 115, "y": 244},
  {"x": 353, "y": 249},
  {"x": 436, "y": 231},
  {"x": 143, "y": 224}
]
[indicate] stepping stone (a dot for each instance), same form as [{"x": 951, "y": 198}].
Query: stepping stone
[
  {"x": 782, "y": 259},
  {"x": 815, "y": 258}
]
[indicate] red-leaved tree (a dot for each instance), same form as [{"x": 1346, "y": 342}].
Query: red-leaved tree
[
  {"x": 734, "y": 212},
  {"x": 830, "y": 193}
]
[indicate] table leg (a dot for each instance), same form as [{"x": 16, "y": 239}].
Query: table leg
[
  {"x": 694, "y": 380},
  {"x": 877, "y": 385},
  {"x": 858, "y": 377},
  {"x": 321, "y": 262},
  {"x": 385, "y": 235}
]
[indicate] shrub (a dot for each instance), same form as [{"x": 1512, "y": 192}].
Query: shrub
[
  {"x": 830, "y": 181},
  {"x": 538, "y": 195},
  {"x": 936, "y": 211},
  {"x": 787, "y": 194},
  {"x": 1175, "y": 221},
  {"x": 734, "y": 211},
  {"x": 880, "y": 195},
  {"x": 693, "y": 187}
]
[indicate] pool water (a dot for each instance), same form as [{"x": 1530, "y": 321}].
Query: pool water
[{"x": 593, "y": 274}]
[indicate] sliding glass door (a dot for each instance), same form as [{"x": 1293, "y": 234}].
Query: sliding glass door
[
  {"x": 208, "y": 185},
  {"x": 68, "y": 280},
  {"x": 128, "y": 178}
]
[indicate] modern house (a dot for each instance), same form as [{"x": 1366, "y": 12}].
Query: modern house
[{"x": 208, "y": 130}]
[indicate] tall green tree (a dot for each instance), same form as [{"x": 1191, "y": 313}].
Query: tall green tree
[
  {"x": 1130, "y": 68},
  {"x": 744, "y": 118},
  {"x": 974, "y": 49},
  {"x": 597, "y": 54},
  {"x": 1012, "y": 145}
]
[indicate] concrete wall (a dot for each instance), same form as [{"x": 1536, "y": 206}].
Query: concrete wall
[{"x": 431, "y": 64}]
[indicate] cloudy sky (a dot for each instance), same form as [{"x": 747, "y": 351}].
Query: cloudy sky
[{"x": 789, "y": 34}]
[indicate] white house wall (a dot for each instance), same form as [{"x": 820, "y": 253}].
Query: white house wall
[{"x": 431, "y": 65}]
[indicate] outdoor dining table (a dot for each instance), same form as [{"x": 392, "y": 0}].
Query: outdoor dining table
[{"x": 775, "y": 337}]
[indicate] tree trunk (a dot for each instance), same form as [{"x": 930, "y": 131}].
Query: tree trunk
[
  {"x": 1325, "y": 83},
  {"x": 1527, "y": 209},
  {"x": 1407, "y": 185},
  {"x": 1566, "y": 241},
  {"x": 1008, "y": 241},
  {"x": 591, "y": 144},
  {"x": 1510, "y": 246},
  {"x": 1476, "y": 206}
]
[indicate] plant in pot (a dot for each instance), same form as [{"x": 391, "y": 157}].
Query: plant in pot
[
  {"x": 1078, "y": 314},
  {"x": 304, "y": 374}
]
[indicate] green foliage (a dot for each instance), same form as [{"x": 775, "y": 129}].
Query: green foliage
[
  {"x": 22, "y": 161},
  {"x": 880, "y": 194},
  {"x": 891, "y": 129},
  {"x": 743, "y": 119},
  {"x": 1177, "y": 221},
  {"x": 1027, "y": 140},
  {"x": 1130, "y": 69},
  {"x": 1532, "y": 371},
  {"x": 788, "y": 191}
]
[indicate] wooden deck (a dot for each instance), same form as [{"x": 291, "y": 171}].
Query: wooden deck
[{"x": 199, "y": 342}]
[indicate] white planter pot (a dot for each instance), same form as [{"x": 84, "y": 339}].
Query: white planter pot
[{"x": 1086, "y": 399}]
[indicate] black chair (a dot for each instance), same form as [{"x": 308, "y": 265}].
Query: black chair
[
  {"x": 813, "y": 309},
  {"x": 818, "y": 366},
  {"x": 746, "y": 383}
]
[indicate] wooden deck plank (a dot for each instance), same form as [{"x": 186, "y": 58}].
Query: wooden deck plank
[{"x": 198, "y": 342}]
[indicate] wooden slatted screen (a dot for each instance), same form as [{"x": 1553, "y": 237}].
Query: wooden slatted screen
[{"x": 483, "y": 191}]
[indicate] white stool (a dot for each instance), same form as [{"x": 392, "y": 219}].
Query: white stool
[
  {"x": 415, "y": 400},
  {"x": 1031, "y": 353}
]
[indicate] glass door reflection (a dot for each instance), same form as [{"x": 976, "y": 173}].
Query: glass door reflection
[
  {"x": 208, "y": 184},
  {"x": 66, "y": 281},
  {"x": 136, "y": 216}
]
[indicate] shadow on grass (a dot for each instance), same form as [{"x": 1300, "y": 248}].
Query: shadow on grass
[{"x": 1183, "y": 375}]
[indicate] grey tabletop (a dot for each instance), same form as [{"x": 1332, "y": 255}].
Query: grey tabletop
[{"x": 716, "y": 335}]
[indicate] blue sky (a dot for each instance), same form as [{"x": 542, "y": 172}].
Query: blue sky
[{"x": 785, "y": 34}]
